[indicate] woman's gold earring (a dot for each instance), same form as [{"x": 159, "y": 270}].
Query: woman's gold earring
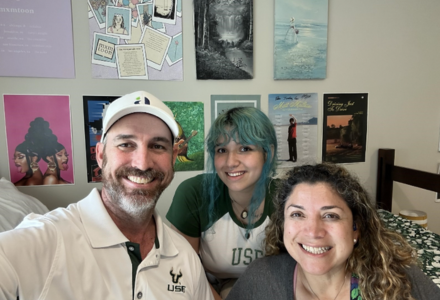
[
  {"x": 52, "y": 166},
  {"x": 34, "y": 166}
]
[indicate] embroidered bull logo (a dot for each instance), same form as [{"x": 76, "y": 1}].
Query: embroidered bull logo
[{"x": 175, "y": 277}]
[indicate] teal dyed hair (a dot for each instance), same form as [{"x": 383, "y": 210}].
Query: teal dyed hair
[{"x": 249, "y": 126}]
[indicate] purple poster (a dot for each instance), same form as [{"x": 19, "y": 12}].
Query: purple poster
[
  {"x": 36, "y": 39},
  {"x": 39, "y": 140}
]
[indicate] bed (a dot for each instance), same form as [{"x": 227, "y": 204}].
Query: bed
[{"x": 426, "y": 242}]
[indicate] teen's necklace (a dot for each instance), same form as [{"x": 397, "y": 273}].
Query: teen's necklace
[{"x": 244, "y": 213}]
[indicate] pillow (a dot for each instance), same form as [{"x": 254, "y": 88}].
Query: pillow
[{"x": 15, "y": 205}]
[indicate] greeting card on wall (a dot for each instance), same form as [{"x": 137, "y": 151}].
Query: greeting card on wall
[
  {"x": 189, "y": 117},
  {"x": 344, "y": 134},
  {"x": 224, "y": 39},
  {"x": 295, "y": 118},
  {"x": 135, "y": 39},
  {"x": 39, "y": 139},
  {"x": 300, "y": 46},
  {"x": 36, "y": 39}
]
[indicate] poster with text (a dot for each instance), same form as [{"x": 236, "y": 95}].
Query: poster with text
[
  {"x": 344, "y": 133},
  {"x": 300, "y": 46},
  {"x": 189, "y": 117},
  {"x": 152, "y": 28},
  {"x": 39, "y": 139},
  {"x": 36, "y": 39},
  {"x": 295, "y": 118}
]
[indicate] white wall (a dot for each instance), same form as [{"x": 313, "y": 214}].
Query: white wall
[{"x": 389, "y": 49}]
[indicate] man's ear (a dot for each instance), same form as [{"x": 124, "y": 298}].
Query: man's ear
[{"x": 99, "y": 153}]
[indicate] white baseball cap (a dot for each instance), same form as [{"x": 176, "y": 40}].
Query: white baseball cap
[{"x": 137, "y": 102}]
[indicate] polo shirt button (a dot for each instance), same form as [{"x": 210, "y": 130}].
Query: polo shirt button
[
  {"x": 139, "y": 295},
  {"x": 131, "y": 248}
]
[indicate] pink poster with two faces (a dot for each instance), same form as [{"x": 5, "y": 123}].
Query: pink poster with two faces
[{"x": 39, "y": 139}]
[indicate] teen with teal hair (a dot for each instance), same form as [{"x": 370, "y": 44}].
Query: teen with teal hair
[{"x": 223, "y": 213}]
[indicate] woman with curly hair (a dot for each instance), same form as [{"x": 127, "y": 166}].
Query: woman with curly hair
[
  {"x": 326, "y": 241},
  {"x": 223, "y": 213}
]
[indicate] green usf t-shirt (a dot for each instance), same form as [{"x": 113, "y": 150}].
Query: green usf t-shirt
[{"x": 224, "y": 248}]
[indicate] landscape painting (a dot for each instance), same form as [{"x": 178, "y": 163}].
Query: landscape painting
[
  {"x": 224, "y": 39},
  {"x": 300, "y": 39}
]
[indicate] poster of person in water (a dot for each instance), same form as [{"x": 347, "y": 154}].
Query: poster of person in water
[
  {"x": 344, "y": 133},
  {"x": 295, "y": 118},
  {"x": 224, "y": 39},
  {"x": 300, "y": 46}
]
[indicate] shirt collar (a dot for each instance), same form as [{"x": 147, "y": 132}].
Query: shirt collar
[
  {"x": 98, "y": 224},
  {"x": 103, "y": 232}
]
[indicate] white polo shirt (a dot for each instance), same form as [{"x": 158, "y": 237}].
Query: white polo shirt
[{"x": 79, "y": 253}]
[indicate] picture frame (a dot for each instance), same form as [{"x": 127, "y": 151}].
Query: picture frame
[{"x": 222, "y": 103}]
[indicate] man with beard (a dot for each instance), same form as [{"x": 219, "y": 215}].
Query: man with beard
[{"x": 112, "y": 244}]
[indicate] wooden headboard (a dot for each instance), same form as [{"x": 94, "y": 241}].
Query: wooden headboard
[{"x": 387, "y": 172}]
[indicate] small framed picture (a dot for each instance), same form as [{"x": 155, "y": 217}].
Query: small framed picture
[{"x": 222, "y": 103}]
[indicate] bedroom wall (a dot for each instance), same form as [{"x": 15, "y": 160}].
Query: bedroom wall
[{"x": 389, "y": 49}]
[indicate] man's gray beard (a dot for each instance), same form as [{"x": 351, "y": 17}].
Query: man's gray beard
[
  {"x": 139, "y": 202},
  {"x": 137, "y": 205}
]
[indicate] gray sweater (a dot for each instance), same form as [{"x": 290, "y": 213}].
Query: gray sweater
[{"x": 271, "y": 277}]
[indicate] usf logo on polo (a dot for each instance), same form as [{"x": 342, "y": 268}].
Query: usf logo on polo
[
  {"x": 138, "y": 101},
  {"x": 177, "y": 286}
]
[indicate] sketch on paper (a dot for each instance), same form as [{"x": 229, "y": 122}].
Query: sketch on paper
[
  {"x": 300, "y": 39},
  {"x": 224, "y": 39}
]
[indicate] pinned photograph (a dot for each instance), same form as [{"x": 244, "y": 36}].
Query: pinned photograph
[
  {"x": 131, "y": 61},
  {"x": 165, "y": 11},
  {"x": 99, "y": 10},
  {"x": 118, "y": 22},
  {"x": 104, "y": 49},
  {"x": 130, "y": 4},
  {"x": 156, "y": 47},
  {"x": 175, "y": 51},
  {"x": 145, "y": 12}
]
